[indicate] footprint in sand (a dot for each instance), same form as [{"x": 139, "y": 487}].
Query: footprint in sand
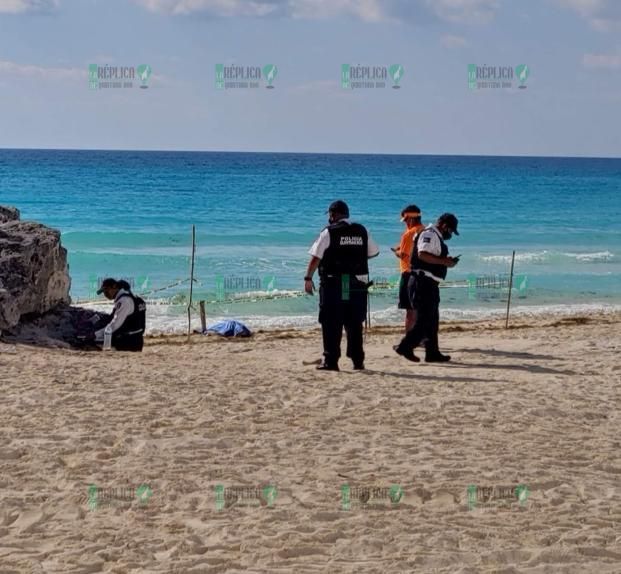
[{"x": 27, "y": 520}]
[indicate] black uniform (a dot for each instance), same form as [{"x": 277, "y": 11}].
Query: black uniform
[
  {"x": 130, "y": 335},
  {"x": 343, "y": 297},
  {"x": 425, "y": 298}
]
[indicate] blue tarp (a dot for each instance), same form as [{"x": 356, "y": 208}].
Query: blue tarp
[{"x": 230, "y": 329}]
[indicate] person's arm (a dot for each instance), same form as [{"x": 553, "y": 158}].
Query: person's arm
[
  {"x": 436, "y": 260},
  {"x": 316, "y": 252},
  {"x": 372, "y": 247},
  {"x": 430, "y": 248},
  {"x": 123, "y": 308},
  {"x": 308, "y": 278}
]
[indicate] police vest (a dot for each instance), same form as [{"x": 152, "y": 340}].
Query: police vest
[
  {"x": 348, "y": 251},
  {"x": 417, "y": 264},
  {"x": 135, "y": 323}
]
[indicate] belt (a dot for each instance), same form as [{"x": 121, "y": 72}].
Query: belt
[
  {"x": 421, "y": 273},
  {"x": 139, "y": 331}
]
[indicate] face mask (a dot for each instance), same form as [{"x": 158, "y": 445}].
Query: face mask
[{"x": 446, "y": 235}]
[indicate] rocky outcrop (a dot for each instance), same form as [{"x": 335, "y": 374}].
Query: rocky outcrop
[
  {"x": 8, "y": 214},
  {"x": 34, "y": 276}
]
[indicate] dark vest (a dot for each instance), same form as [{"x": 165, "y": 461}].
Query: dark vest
[
  {"x": 348, "y": 250},
  {"x": 417, "y": 264},
  {"x": 137, "y": 321}
]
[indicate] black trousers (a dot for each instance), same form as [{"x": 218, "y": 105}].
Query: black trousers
[
  {"x": 128, "y": 342},
  {"x": 340, "y": 308},
  {"x": 425, "y": 297}
]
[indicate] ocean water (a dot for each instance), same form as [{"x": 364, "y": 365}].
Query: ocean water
[{"x": 130, "y": 214}]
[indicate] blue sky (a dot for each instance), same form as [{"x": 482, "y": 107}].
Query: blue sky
[{"x": 571, "y": 106}]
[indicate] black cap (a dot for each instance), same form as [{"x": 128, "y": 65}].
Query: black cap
[
  {"x": 450, "y": 220},
  {"x": 339, "y": 206},
  {"x": 109, "y": 282}
]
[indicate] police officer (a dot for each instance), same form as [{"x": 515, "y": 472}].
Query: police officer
[
  {"x": 128, "y": 317},
  {"x": 429, "y": 264},
  {"x": 341, "y": 254}
]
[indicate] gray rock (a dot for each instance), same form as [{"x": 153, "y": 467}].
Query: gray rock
[
  {"x": 34, "y": 276},
  {"x": 8, "y": 214}
]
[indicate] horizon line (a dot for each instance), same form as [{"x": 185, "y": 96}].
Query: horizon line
[{"x": 525, "y": 156}]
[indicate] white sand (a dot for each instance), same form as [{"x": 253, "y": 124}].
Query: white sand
[{"x": 535, "y": 406}]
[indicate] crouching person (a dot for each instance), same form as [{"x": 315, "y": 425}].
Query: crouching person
[{"x": 128, "y": 317}]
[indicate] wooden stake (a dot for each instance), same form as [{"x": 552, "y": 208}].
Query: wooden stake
[{"x": 203, "y": 316}]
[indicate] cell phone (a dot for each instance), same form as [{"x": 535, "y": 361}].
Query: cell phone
[{"x": 457, "y": 256}]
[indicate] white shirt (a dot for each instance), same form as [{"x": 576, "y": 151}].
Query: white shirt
[
  {"x": 429, "y": 242},
  {"x": 323, "y": 242},
  {"x": 123, "y": 308}
]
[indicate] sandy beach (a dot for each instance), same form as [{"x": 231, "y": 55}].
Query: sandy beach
[{"x": 200, "y": 431}]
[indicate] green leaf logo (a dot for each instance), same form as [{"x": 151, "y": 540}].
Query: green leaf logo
[
  {"x": 219, "y": 76},
  {"x": 345, "y": 77},
  {"x": 396, "y": 494},
  {"x": 270, "y": 493},
  {"x": 269, "y": 73},
  {"x": 346, "y": 497},
  {"x": 143, "y": 493},
  {"x": 522, "y": 493},
  {"x": 472, "y": 76},
  {"x": 522, "y": 72},
  {"x": 92, "y": 497},
  {"x": 219, "y": 492},
  {"x": 269, "y": 282},
  {"x": 144, "y": 73},
  {"x": 396, "y": 73}
]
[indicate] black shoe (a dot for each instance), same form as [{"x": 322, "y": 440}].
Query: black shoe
[
  {"x": 358, "y": 366},
  {"x": 437, "y": 358},
  {"x": 408, "y": 354},
  {"x": 326, "y": 367}
]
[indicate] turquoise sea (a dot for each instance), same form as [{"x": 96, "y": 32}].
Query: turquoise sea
[{"x": 130, "y": 214}]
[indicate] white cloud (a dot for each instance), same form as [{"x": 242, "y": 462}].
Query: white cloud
[
  {"x": 368, "y": 10},
  {"x": 27, "y": 70},
  {"x": 469, "y": 11},
  {"x": 606, "y": 61},
  {"x": 365, "y": 10},
  {"x": 603, "y": 15},
  {"x": 21, "y": 6},
  {"x": 214, "y": 7},
  {"x": 451, "y": 41}
]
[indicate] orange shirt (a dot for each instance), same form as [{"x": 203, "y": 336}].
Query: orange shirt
[{"x": 405, "y": 247}]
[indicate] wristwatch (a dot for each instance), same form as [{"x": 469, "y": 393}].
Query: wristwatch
[{"x": 307, "y": 278}]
